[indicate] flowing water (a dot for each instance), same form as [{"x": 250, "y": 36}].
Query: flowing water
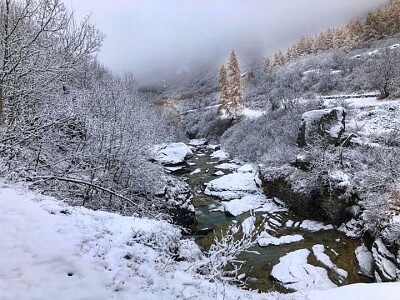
[{"x": 257, "y": 267}]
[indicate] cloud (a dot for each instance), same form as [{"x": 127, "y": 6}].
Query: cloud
[{"x": 154, "y": 38}]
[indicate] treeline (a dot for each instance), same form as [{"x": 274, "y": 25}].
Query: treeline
[
  {"x": 69, "y": 126},
  {"x": 381, "y": 23}
]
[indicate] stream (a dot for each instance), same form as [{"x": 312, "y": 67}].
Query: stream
[{"x": 257, "y": 267}]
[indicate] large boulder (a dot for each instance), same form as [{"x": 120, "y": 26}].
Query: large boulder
[
  {"x": 324, "y": 124},
  {"x": 172, "y": 154}
]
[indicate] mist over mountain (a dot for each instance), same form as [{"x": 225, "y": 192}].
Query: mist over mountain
[{"x": 156, "y": 39}]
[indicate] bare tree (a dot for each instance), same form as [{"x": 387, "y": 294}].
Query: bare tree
[
  {"x": 40, "y": 45},
  {"x": 383, "y": 72}
]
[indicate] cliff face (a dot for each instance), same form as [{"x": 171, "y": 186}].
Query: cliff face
[{"x": 314, "y": 201}]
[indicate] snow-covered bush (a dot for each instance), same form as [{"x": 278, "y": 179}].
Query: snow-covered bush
[
  {"x": 270, "y": 139},
  {"x": 70, "y": 126},
  {"x": 220, "y": 261}
]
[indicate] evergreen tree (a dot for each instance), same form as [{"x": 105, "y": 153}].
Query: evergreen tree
[
  {"x": 231, "y": 98},
  {"x": 235, "y": 86},
  {"x": 224, "y": 87}
]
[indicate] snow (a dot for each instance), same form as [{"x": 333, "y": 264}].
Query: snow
[
  {"x": 220, "y": 154},
  {"x": 115, "y": 257},
  {"x": 295, "y": 273},
  {"x": 212, "y": 146},
  {"x": 368, "y": 102},
  {"x": 227, "y": 166},
  {"x": 107, "y": 255},
  {"x": 265, "y": 239},
  {"x": 172, "y": 154},
  {"x": 381, "y": 257},
  {"x": 43, "y": 241},
  {"x": 289, "y": 223},
  {"x": 247, "y": 168},
  {"x": 232, "y": 186},
  {"x": 336, "y": 72},
  {"x": 310, "y": 118},
  {"x": 314, "y": 226},
  {"x": 365, "y": 260},
  {"x": 198, "y": 170},
  {"x": 258, "y": 203},
  {"x": 360, "y": 291},
  {"x": 173, "y": 169},
  {"x": 340, "y": 178},
  {"x": 197, "y": 142},
  {"x": 374, "y": 52},
  {"x": 248, "y": 225},
  {"x": 251, "y": 113},
  {"x": 312, "y": 71},
  {"x": 352, "y": 228},
  {"x": 318, "y": 251},
  {"x": 219, "y": 173}
]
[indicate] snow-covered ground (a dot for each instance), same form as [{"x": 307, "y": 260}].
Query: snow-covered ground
[{"x": 49, "y": 250}]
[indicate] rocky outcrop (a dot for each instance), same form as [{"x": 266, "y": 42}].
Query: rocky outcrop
[
  {"x": 322, "y": 125},
  {"x": 386, "y": 262},
  {"x": 317, "y": 202}
]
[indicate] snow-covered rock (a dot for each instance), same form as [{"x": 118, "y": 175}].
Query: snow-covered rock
[
  {"x": 247, "y": 168},
  {"x": 265, "y": 239},
  {"x": 319, "y": 252},
  {"x": 197, "y": 142},
  {"x": 258, "y": 203},
  {"x": 198, "y": 170},
  {"x": 172, "y": 154},
  {"x": 213, "y": 146},
  {"x": 173, "y": 168},
  {"x": 365, "y": 260},
  {"x": 227, "y": 166},
  {"x": 219, "y": 173},
  {"x": 232, "y": 186},
  {"x": 293, "y": 272},
  {"x": 384, "y": 260},
  {"x": 328, "y": 124},
  {"x": 314, "y": 226},
  {"x": 352, "y": 228},
  {"x": 220, "y": 154}
]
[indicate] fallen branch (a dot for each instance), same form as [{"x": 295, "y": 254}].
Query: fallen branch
[{"x": 98, "y": 187}]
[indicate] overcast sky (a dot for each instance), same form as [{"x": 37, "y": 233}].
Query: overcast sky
[{"x": 154, "y": 37}]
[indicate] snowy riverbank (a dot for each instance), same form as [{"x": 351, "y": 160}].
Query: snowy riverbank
[{"x": 49, "y": 250}]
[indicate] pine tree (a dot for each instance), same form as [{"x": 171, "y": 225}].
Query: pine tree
[
  {"x": 224, "y": 98},
  {"x": 353, "y": 33},
  {"x": 231, "y": 98},
  {"x": 235, "y": 86}
]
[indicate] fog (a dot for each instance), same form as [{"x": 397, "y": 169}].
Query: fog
[{"x": 155, "y": 39}]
